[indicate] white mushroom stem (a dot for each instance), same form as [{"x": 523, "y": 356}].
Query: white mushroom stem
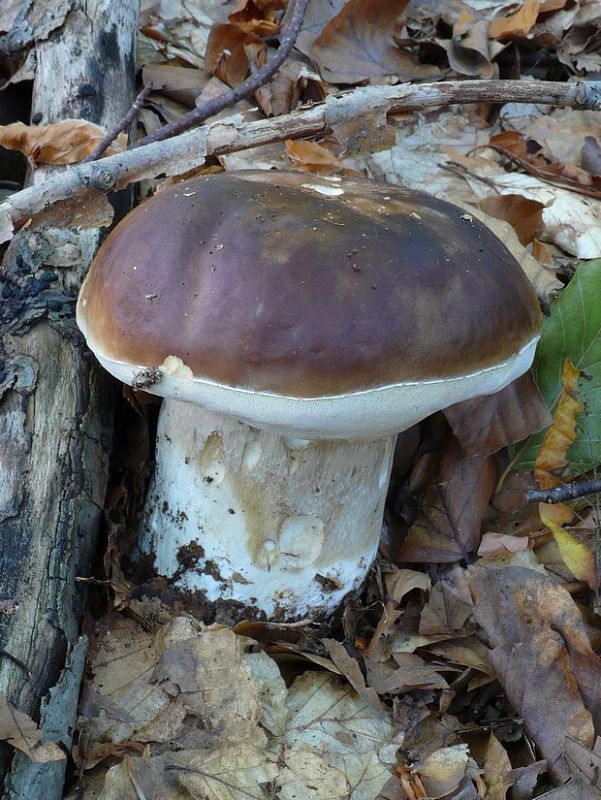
[{"x": 286, "y": 525}]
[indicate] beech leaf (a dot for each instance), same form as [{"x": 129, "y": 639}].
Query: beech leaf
[
  {"x": 20, "y": 731},
  {"x": 577, "y": 558}
]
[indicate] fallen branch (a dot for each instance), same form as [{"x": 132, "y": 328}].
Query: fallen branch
[
  {"x": 365, "y": 105},
  {"x": 563, "y": 492},
  {"x": 127, "y": 120},
  {"x": 230, "y": 97}
]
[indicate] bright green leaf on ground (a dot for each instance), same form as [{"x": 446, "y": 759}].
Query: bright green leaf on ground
[{"x": 572, "y": 331}]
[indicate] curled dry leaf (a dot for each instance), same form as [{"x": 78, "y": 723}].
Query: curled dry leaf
[
  {"x": 486, "y": 424},
  {"x": 20, "y": 731},
  {"x": 562, "y": 432},
  {"x": 292, "y": 84},
  {"x": 469, "y": 50},
  {"x": 65, "y": 142},
  {"x": 230, "y": 52}
]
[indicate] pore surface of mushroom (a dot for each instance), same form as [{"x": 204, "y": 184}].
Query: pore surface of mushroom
[{"x": 294, "y": 325}]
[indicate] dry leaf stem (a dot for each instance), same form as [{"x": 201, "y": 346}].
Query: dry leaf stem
[
  {"x": 189, "y": 150},
  {"x": 246, "y": 89},
  {"x": 565, "y": 491}
]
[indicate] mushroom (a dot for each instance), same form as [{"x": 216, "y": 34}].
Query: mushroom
[{"x": 294, "y": 325}]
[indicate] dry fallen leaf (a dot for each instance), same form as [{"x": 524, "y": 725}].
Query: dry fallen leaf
[
  {"x": 230, "y": 52},
  {"x": 20, "y": 731},
  {"x": 541, "y": 655},
  {"x": 486, "y": 424},
  {"x": 442, "y": 772},
  {"x": 562, "y": 432},
  {"x": 518, "y": 25},
  {"x": 497, "y": 769},
  {"x": 182, "y": 84},
  {"x": 494, "y": 545},
  {"x": 525, "y": 216},
  {"x": 64, "y": 142},
  {"x": 577, "y": 558},
  {"x": 312, "y": 157},
  {"x": 448, "y": 528},
  {"x": 359, "y": 44}
]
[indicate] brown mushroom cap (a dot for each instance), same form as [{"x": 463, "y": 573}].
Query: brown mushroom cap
[{"x": 306, "y": 286}]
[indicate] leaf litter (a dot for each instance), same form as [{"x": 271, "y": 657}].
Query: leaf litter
[{"x": 468, "y": 667}]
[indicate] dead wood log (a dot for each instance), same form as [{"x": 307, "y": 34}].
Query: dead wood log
[{"x": 55, "y": 407}]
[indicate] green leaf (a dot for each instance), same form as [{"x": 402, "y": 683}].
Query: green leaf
[{"x": 572, "y": 331}]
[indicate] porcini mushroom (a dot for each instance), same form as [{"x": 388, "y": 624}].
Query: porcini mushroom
[{"x": 294, "y": 325}]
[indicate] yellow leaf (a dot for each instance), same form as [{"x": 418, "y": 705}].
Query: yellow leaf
[
  {"x": 562, "y": 433},
  {"x": 576, "y": 557}
]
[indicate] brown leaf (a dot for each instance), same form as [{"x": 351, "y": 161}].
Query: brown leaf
[
  {"x": 526, "y": 216},
  {"x": 349, "y": 667},
  {"x": 312, "y": 157},
  {"x": 541, "y": 655},
  {"x": 182, "y": 84},
  {"x": 530, "y": 155},
  {"x": 585, "y": 764},
  {"x": 470, "y": 51},
  {"x": 407, "y": 673},
  {"x": 449, "y": 607},
  {"x": 255, "y": 16},
  {"x": 518, "y": 25},
  {"x": 448, "y": 528},
  {"x": 227, "y": 56},
  {"x": 497, "y": 769},
  {"x": 64, "y": 142},
  {"x": 293, "y": 83},
  {"x": 20, "y": 731},
  {"x": 486, "y": 424},
  {"x": 358, "y": 44},
  {"x": 494, "y": 545},
  {"x": 442, "y": 771}
]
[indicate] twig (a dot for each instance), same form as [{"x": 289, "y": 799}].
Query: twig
[
  {"x": 17, "y": 661},
  {"x": 563, "y": 492},
  {"x": 183, "y": 153},
  {"x": 121, "y": 126},
  {"x": 246, "y": 89}
]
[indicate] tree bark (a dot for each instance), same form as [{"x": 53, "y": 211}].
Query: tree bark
[{"x": 55, "y": 407}]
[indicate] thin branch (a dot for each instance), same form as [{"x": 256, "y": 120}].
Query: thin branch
[
  {"x": 121, "y": 126},
  {"x": 246, "y": 89},
  {"x": 189, "y": 150},
  {"x": 563, "y": 492}
]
